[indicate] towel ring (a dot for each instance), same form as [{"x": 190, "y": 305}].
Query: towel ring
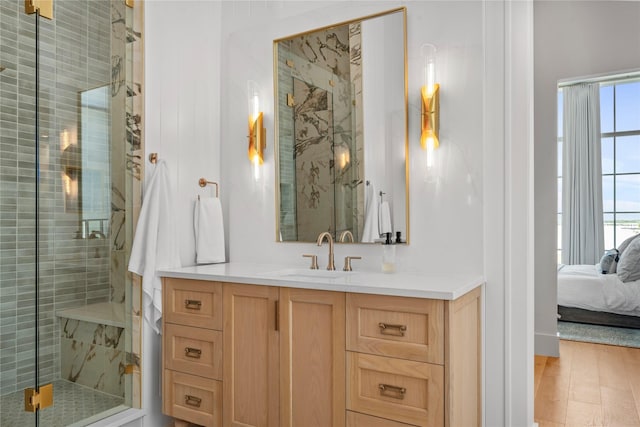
[{"x": 203, "y": 183}]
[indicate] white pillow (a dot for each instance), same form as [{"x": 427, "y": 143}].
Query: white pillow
[
  {"x": 628, "y": 268},
  {"x": 626, "y": 243},
  {"x": 621, "y": 248}
]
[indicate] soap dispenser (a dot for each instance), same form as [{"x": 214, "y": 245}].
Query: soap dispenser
[{"x": 388, "y": 255}]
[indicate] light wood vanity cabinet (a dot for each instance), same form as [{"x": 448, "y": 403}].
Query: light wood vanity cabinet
[
  {"x": 284, "y": 357},
  {"x": 192, "y": 351},
  {"x": 251, "y": 356},
  {"x": 297, "y": 357},
  {"x": 413, "y": 361},
  {"x": 312, "y": 358}
]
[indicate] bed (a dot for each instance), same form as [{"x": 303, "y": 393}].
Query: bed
[{"x": 587, "y": 296}]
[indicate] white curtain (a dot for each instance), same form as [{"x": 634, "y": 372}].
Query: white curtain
[{"x": 582, "y": 219}]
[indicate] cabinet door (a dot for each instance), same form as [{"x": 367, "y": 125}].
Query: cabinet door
[
  {"x": 312, "y": 354},
  {"x": 251, "y": 370}
]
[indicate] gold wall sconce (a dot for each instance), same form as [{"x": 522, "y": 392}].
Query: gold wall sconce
[
  {"x": 257, "y": 132},
  {"x": 430, "y": 94}
]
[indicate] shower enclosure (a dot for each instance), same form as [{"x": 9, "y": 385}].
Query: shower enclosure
[{"x": 70, "y": 147}]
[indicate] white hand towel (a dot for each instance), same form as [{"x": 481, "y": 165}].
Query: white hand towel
[
  {"x": 155, "y": 244},
  {"x": 209, "y": 231},
  {"x": 385, "y": 218},
  {"x": 370, "y": 230}
]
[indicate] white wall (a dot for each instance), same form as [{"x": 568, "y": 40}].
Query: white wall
[
  {"x": 572, "y": 39},
  {"x": 445, "y": 215},
  {"x": 182, "y": 124},
  {"x": 470, "y": 216}
]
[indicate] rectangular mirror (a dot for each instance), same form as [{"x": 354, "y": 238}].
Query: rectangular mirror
[{"x": 341, "y": 131}]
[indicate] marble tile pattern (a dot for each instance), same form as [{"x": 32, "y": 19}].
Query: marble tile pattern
[
  {"x": 327, "y": 140},
  {"x": 135, "y": 168},
  {"x": 314, "y": 160},
  {"x": 93, "y": 355},
  {"x": 357, "y": 176}
]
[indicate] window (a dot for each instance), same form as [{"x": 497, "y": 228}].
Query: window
[
  {"x": 620, "y": 127},
  {"x": 620, "y": 139}
]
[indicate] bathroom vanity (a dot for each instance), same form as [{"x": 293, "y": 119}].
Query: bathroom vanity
[{"x": 259, "y": 345}]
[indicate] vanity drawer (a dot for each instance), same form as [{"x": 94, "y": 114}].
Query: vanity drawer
[
  {"x": 193, "y": 350},
  {"x": 193, "y": 303},
  {"x": 407, "y": 328},
  {"x": 191, "y": 398},
  {"x": 355, "y": 419},
  {"x": 401, "y": 390}
]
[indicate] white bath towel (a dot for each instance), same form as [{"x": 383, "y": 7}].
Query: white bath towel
[
  {"x": 155, "y": 245},
  {"x": 209, "y": 231},
  {"x": 384, "y": 224},
  {"x": 370, "y": 231}
]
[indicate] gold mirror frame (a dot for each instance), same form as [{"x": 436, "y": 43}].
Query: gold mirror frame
[{"x": 277, "y": 154}]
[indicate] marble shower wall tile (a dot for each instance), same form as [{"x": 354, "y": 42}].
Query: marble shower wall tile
[
  {"x": 93, "y": 355},
  {"x": 115, "y": 363},
  {"x": 326, "y": 189},
  {"x": 135, "y": 120}
]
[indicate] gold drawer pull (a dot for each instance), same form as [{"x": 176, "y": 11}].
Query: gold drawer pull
[
  {"x": 192, "y": 400},
  {"x": 192, "y": 352},
  {"x": 389, "y": 329},
  {"x": 392, "y": 391},
  {"x": 192, "y": 304}
]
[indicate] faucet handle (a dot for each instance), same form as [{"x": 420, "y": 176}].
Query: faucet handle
[
  {"x": 347, "y": 262},
  {"x": 314, "y": 261}
]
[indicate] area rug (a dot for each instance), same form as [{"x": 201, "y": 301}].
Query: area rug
[{"x": 625, "y": 337}]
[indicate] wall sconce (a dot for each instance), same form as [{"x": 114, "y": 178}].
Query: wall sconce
[
  {"x": 257, "y": 132},
  {"x": 430, "y": 104}
]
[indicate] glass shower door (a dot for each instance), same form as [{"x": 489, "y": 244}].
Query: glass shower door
[{"x": 64, "y": 304}]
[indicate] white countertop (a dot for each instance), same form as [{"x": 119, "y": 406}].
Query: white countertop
[{"x": 444, "y": 287}]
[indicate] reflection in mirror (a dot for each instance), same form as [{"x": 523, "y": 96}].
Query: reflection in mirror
[
  {"x": 85, "y": 162},
  {"x": 341, "y": 130}
]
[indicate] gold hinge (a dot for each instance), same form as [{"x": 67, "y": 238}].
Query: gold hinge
[
  {"x": 45, "y": 7},
  {"x": 290, "y": 101},
  {"x": 129, "y": 3},
  {"x": 128, "y": 369},
  {"x": 35, "y": 400}
]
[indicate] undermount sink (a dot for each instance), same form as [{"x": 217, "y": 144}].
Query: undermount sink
[{"x": 308, "y": 274}]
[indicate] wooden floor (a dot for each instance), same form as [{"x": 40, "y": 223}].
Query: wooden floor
[{"x": 588, "y": 385}]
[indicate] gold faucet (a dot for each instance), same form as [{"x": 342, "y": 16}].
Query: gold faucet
[
  {"x": 321, "y": 237},
  {"x": 344, "y": 235}
]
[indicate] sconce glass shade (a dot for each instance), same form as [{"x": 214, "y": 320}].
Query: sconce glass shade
[
  {"x": 430, "y": 94},
  {"x": 430, "y": 117},
  {"x": 257, "y": 132}
]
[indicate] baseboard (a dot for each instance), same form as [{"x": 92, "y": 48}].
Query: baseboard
[{"x": 547, "y": 345}]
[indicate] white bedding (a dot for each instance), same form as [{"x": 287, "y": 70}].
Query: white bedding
[{"x": 582, "y": 286}]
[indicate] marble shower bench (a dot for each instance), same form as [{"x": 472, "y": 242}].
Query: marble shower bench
[{"x": 92, "y": 346}]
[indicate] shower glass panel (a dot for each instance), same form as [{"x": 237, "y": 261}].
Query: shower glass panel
[{"x": 66, "y": 165}]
